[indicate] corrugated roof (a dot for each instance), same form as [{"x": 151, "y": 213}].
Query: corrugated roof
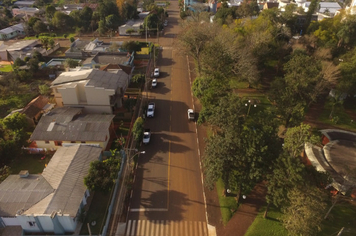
[
  {"x": 71, "y": 125},
  {"x": 65, "y": 173},
  {"x": 21, "y": 193},
  {"x": 96, "y": 78},
  {"x": 35, "y": 106}
]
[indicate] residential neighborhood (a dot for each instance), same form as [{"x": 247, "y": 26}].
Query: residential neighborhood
[{"x": 194, "y": 118}]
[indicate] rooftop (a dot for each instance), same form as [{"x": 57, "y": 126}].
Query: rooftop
[
  {"x": 60, "y": 187},
  {"x": 68, "y": 124},
  {"x": 96, "y": 78},
  {"x": 19, "y": 45}
]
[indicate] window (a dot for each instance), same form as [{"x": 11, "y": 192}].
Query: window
[
  {"x": 31, "y": 223},
  {"x": 58, "y": 143},
  {"x": 72, "y": 141},
  {"x": 46, "y": 141},
  {"x": 82, "y": 141}
]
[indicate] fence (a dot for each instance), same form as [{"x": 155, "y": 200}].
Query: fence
[{"x": 112, "y": 203}]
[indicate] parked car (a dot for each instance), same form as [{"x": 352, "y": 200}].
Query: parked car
[
  {"x": 191, "y": 114},
  {"x": 156, "y": 72},
  {"x": 154, "y": 83},
  {"x": 151, "y": 109},
  {"x": 146, "y": 136}
]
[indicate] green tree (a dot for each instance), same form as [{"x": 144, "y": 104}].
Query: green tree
[
  {"x": 70, "y": 63},
  {"x": 44, "y": 89},
  {"x": 50, "y": 11},
  {"x": 33, "y": 65},
  {"x": 39, "y": 27},
  {"x": 131, "y": 46},
  {"x": 296, "y": 137},
  {"x": 4, "y": 173},
  {"x": 62, "y": 21},
  {"x": 51, "y": 43},
  {"x": 102, "y": 27},
  {"x": 45, "y": 42},
  {"x": 102, "y": 175},
  {"x": 16, "y": 121},
  {"x": 18, "y": 62},
  {"x": 306, "y": 210},
  {"x": 112, "y": 22},
  {"x": 137, "y": 129}
]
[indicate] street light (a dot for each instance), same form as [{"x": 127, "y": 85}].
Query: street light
[{"x": 249, "y": 106}]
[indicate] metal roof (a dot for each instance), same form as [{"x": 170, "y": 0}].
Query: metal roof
[
  {"x": 18, "y": 194},
  {"x": 96, "y": 78},
  {"x": 65, "y": 173},
  {"x": 68, "y": 124}
]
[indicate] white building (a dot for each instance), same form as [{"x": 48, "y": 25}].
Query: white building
[{"x": 49, "y": 203}]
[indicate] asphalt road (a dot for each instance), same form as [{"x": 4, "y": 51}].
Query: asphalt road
[{"x": 168, "y": 194}]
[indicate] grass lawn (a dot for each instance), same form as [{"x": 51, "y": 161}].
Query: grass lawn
[
  {"x": 228, "y": 204},
  {"x": 341, "y": 118},
  {"x": 269, "y": 226},
  {"x": 6, "y": 68},
  {"x": 342, "y": 215},
  {"x": 234, "y": 84},
  {"x": 97, "y": 213},
  {"x": 31, "y": 162}
]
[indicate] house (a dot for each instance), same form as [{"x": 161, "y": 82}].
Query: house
[
  {"x": 65, "y": 125},
  {"x": 26, "y": 11},
  {"x": 20, "y": 49},
  {"x": 132, "y": 27},
  {"x": 35, "y": 109},
  {"x": 12, "y": 32},
  {"x": 49, "y": 203},
  {"x": 93, "y": 90},
  {"x": 337, "y": 157}
]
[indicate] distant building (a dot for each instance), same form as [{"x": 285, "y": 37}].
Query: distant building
[
  {"x": 20, "y": 49},
  {"x": 12, "y": 32}
]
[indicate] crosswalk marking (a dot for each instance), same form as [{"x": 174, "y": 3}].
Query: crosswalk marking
[{"x": 165, "y": 228}]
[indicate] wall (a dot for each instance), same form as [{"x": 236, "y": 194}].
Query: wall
[
  {"x": 49, "y": 146},
  {"x": 10, "y": 221},
  {"x": 67, "y": 223},
  {"x": 24, "y": 221},
  {"x": 98, "y": 96},
  {"x": 69, "y": 94},
  {"x": 46, "y": 223}
]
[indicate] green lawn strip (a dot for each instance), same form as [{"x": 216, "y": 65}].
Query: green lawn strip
[
  {"x": 270, "y": 226},
  {"x": 228, "y": 205},
  {"x": 6, "y": 68},
  {"x": 144, "y": 51},
  {"x": 340, "y": 118},
  {"x": 97, "y": 212},
  {"x": 342, "y": 215},
  {"x": 31, "y": 162}
]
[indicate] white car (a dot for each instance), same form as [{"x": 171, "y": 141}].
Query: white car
[
  {"x": 154, "y": 83},
  {"x": 146, "y": 136},
  {"x": 151, "y": 109},
  {"x": 156, "y": 72},
  {"x": 191, "y": 114}
]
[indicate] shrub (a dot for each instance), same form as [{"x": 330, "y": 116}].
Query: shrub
[{"x": 71, "y": 39}]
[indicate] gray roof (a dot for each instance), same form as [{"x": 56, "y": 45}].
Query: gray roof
[
  {"x": 68, "y": 124},
  {"x": 65, "y": 173},
  {"x": 21, "y": 193},
  {"x": 19, "y": 45},
  {"x": 59, "y": 188},
  {"x": 13, "y": 28},
  {"x": 96, "y": 78},
  {"x": 111, "y": 59}
]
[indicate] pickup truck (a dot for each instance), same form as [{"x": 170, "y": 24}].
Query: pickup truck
[
  {"x": 146, "y": 136},
  {"x": 191, "y": 114}
]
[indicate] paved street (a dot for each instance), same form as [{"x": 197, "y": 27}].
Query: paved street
[{"x": 168, "y": 194}]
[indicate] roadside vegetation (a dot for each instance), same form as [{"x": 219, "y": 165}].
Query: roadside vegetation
[{"x": 256, "y": 84}]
